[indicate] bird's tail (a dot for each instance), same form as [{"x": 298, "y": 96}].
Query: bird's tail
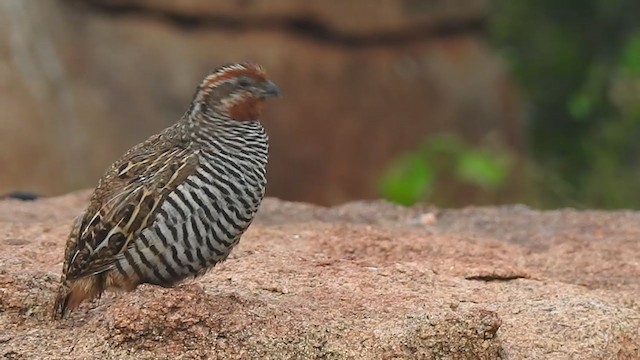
[
  {"x": 71, "y": 293},
  {"x": 61, "y": 303}
]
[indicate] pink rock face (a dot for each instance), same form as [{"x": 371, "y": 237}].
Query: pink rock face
[
  {"x": 361, "y": 82},
  {"x": 366, "y": 280}
]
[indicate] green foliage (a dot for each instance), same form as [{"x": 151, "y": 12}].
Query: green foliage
[
  {"x": 630, "y": 59},
  {"x": 409, "y": 179},
  {"x": 486, "y": 169},
  {"x": 579, "y": 63},
  {"x": 413, "y": 177}
]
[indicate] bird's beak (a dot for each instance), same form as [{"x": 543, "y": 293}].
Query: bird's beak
[{"x": 269, "y": 89}]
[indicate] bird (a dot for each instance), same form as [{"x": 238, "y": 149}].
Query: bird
[{"x": 175, "y": 205}]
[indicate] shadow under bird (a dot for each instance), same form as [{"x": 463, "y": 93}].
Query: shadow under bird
[{"x": 176, "y": 204}]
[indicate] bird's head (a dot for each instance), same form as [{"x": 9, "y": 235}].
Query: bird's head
[{"x": 236, "y": 91}]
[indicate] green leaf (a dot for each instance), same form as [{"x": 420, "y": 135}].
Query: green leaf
[
  {"x": 408, "y": 180},
  {"x": 483, "y": 168},
  {"x": 580, "y": 106},
  {"x": 630, "y": 59}
]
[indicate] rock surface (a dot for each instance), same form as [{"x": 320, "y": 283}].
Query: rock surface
[
  {"x": 81, "y": 81},
  {"x": 366, "y": 280}
]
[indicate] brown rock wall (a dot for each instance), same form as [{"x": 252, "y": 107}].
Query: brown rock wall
[{"x": 81, "y": 81}]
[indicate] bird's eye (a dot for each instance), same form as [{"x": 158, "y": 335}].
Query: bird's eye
[{"x": 244, "y": 81}]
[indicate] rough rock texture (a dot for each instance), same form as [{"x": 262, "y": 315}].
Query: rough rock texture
[
  {"x": 365, "y": 280},
  {"x": 83, "y": 80}
]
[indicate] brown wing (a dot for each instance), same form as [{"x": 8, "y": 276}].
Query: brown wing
[{"x": 124, "y": 203}]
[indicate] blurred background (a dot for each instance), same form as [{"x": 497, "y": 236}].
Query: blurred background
[{"x": 450, "y": 102}]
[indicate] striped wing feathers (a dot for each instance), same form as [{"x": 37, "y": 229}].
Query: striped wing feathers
[{"x": 124, "y": 204}]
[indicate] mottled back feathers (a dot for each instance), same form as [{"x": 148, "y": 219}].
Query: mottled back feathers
[{"x": 124, "y": 202}]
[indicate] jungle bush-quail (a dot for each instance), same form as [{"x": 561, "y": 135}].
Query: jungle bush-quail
[{"x": 176, "y": 204}]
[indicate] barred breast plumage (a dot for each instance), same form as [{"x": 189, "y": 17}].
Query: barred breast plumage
[{"x": 177, "y": 204}]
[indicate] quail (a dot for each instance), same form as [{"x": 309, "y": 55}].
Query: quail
[{"x": 175, "y": 205}]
